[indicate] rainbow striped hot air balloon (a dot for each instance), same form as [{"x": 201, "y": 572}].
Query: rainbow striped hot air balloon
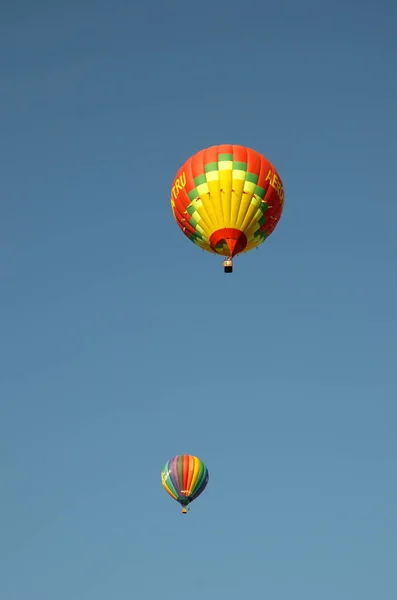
[
  {"x": 184, "y": 477},
  {"x": 227, "y": 199}
]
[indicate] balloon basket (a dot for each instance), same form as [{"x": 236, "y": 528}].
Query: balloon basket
[{"x": 228, "y": 265}]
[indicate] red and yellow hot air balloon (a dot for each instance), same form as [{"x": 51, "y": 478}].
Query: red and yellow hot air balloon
[
  {"x": 227, "y": 199},
  {"x": 184, "y": 478}
]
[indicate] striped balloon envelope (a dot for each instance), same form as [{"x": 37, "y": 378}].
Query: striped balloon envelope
[
  {"x": 184, "y": 477},
  {"x": 227, "y": 199}
]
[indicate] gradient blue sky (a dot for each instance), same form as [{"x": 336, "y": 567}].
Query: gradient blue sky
[{"x": 122, "y": 344}]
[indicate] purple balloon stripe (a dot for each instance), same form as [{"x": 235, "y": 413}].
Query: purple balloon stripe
[{"x": 174, "y": 475}]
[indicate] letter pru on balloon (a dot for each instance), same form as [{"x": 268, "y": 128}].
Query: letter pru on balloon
[{"x": 227, "y": 200}]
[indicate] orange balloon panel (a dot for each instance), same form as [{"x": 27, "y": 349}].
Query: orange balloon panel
[{"x": 227, "y": 199}]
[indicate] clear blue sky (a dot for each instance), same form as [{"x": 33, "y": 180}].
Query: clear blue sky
[{"x": 123, "y": 344}]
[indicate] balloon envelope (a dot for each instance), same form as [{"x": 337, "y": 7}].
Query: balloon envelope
[
  {"x": 227, "y": 199},
  {"x": 184, "y": 477}
]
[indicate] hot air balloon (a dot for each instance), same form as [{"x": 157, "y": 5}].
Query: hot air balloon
[
  {"x": 227, "y": 199},
  {"x": 184, "y": 477}
]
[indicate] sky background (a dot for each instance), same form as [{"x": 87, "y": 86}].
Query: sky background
[{"x": 122, "y": 344}]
